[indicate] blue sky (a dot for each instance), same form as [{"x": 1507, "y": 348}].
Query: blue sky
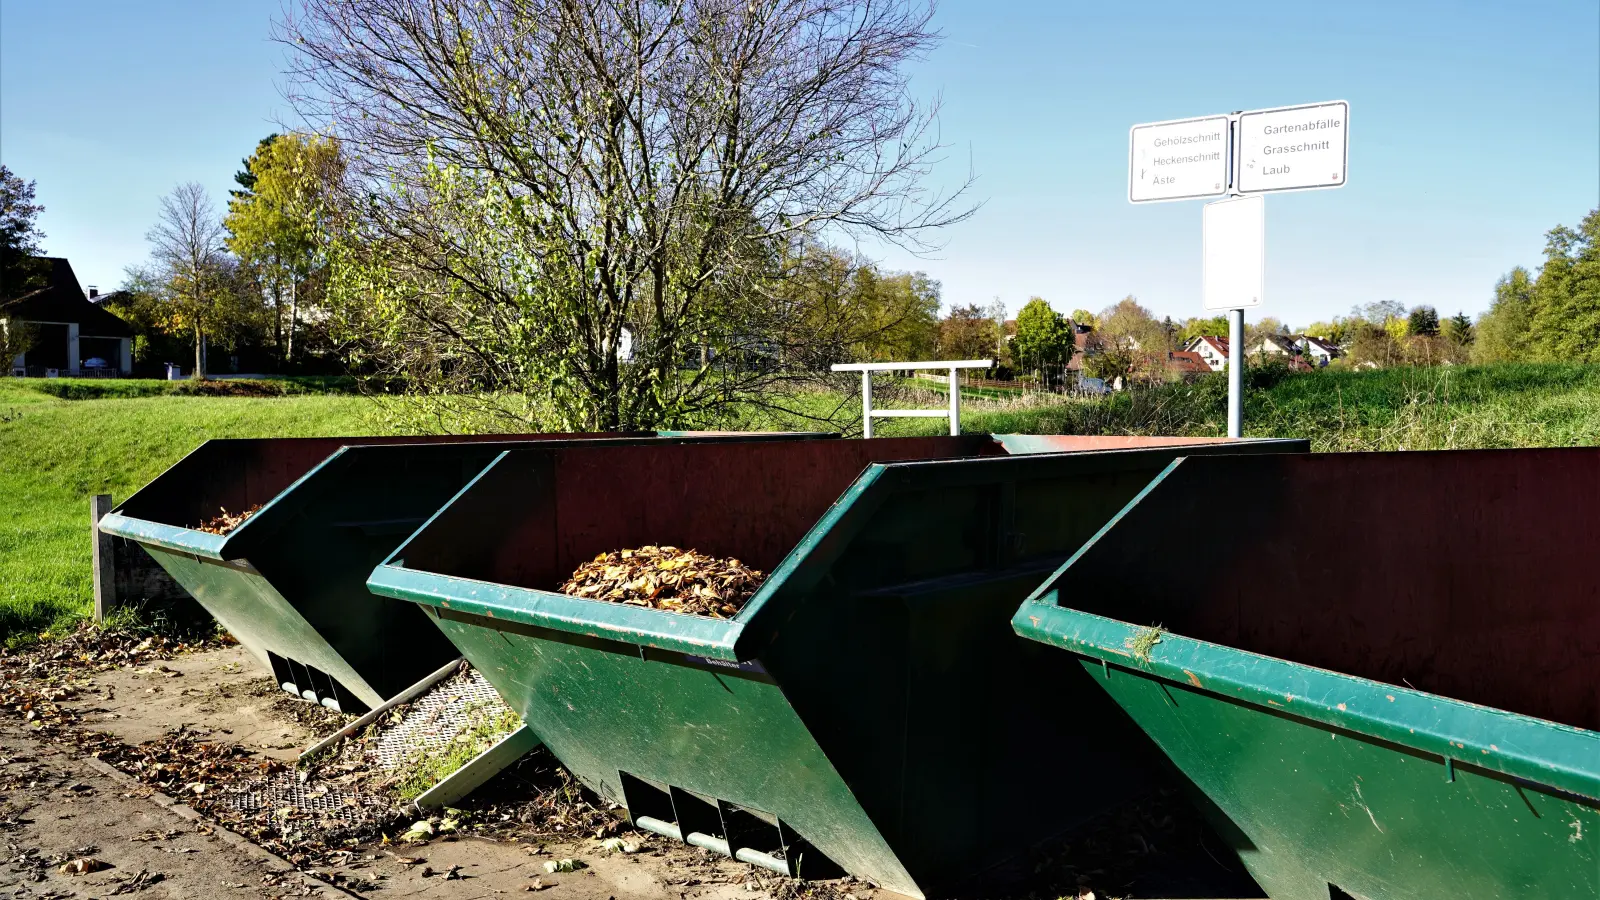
[{"x": 1475, "y": 127}]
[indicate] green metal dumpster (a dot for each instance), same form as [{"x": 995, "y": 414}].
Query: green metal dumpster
[
  {"x": 289, "y": 582},
  {"x": 862, "y": 710},
  {"x": 1382, "y": 671}
]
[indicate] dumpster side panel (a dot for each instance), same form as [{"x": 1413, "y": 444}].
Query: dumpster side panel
[
  {"x": 363, "y": 505},
  {"x": 914, "y": 603},
  {"x": 1468, "y": 574},
  {"x": 254, "y": 612},
  {"x": 1323, "y": 778},
  {"x": 1323, "y": 806},
  {"x": 674, "y": 720}
]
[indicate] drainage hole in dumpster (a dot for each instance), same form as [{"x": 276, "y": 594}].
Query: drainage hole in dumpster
[{"x": 750, "y": 836}]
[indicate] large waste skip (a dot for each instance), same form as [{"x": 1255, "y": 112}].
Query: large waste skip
[
  {"x": 1382, "y": 670},
  {"x": 289, "y": 582},
  {"x": 870, "y": 704}
]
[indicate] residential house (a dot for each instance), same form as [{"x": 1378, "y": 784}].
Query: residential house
[
  {"x": 1085, "y": 344},
  {"x": 72, "y": 335},
  {"x": 1179, "y": 365},
  {"x": 1212, "y": 350},
  {"x": 1273, "y": 345},
  {"x": 1317, "y": 351}
]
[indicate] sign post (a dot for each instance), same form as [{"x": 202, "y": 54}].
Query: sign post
[{"x": 1241, "y": 156}]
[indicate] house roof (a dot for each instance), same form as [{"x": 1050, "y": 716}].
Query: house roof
[
  {"x": 1282, "y": 341},
  {"x": 1219, "y": 344},
  {"x": 1326, "y": 345},
  {"x": 1187, "y": 361},
  {"x": 63, "y": 301}
]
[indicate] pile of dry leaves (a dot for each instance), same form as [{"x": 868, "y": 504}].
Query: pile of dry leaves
[
  {"x": 89, "y": 648},
  {"x": 682, "y": 581},
  {"x": 225, "y": 521}
]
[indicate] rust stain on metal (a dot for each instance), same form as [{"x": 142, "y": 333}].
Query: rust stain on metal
[
  {"x": 1341, "y": 707},
  {"x": 1193, "y": 679}
]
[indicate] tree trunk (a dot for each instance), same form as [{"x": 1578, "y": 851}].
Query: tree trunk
[
  {"x": 277, "y": 320},
  {"x": 199, "y": 354},
  {"x": 294, "y": 309}
]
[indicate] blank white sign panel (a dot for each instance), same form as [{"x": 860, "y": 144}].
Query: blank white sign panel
[{"x": 1234, "y": 252}]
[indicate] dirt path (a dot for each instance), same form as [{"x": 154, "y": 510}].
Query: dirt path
[
  {"x": 220, "y": 694},
  {"x": 57, "y": 808},
  {"x": 57, "y": 805}
]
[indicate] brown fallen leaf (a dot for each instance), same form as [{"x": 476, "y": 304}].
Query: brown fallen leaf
[
  {"x": 83, "y": 865},
  {"x": 667, "y": 578},
  {"x": 226, "y": 521}
]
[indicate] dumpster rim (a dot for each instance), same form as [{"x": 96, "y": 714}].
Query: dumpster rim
[
  {"x": 1524, "y": 747},
  {"x": 494, "y": 602}
]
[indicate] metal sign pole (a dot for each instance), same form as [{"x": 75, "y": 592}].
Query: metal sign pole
[{"x": 1235, "y": 373}]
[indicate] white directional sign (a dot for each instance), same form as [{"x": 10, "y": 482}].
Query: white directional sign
[
  {"x": 1293, "y": 148},
  {"x": 1233, "y": 242},
  {"x": 1178, "y": 160}
]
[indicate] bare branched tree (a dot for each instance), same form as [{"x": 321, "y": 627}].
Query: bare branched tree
[
  {"x": 595, "y": 207},
  {"x": 187, "y": 243}
]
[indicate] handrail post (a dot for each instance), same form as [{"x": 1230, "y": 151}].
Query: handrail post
[
  {"x": 955, "y": 404},
  {"x": 866, "y": 403}
]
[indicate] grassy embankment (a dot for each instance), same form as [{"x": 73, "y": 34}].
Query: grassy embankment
[{"x": 55, "y": 453}]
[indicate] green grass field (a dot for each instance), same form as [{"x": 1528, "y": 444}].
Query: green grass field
[{"x": 56, "y": 452}]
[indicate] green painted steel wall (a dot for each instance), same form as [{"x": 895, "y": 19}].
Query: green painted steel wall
[{"x": 1321, "y": 778}]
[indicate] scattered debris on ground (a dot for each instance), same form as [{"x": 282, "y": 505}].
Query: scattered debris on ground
[
  {"x": 225, "y": 521},
  {"x": 347, "y": 822},
  {"x": 664, "y": 577},
  {"x": 90, "y": 648}
]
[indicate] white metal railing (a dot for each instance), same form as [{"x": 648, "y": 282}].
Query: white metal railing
[{"x": 866, "y": 370}]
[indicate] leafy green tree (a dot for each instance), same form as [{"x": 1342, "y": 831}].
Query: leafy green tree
[
  {"x": 1373, "y": 345},
  {"x": 1191, "y": 328},
  {"x": 1336, "y": 330},
  {"x": 278, "y": 223},
  {"x": 1110, "y": 363},
  {"x": 1044, "y": 341},
  {"x": 1084, "y": 317},
  {"x": 1504, "y": 331},
  {"x": 1128, "y": 323},
  {"x": 21, "y": 271},
  {"x": 1565, "y": 320},
  {"x": 1458, "y": 330},
  {"x": 1423, "y": 321},
  {"x": 245, "y": 178},
  {"x": 967, "y": 333}
]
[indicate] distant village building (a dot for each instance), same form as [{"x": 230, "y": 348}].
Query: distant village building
[
  {"x": 1212, "y": 350},
  {"x": 1317, "y": 351},
  {"x": 72, "y": 335}
]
